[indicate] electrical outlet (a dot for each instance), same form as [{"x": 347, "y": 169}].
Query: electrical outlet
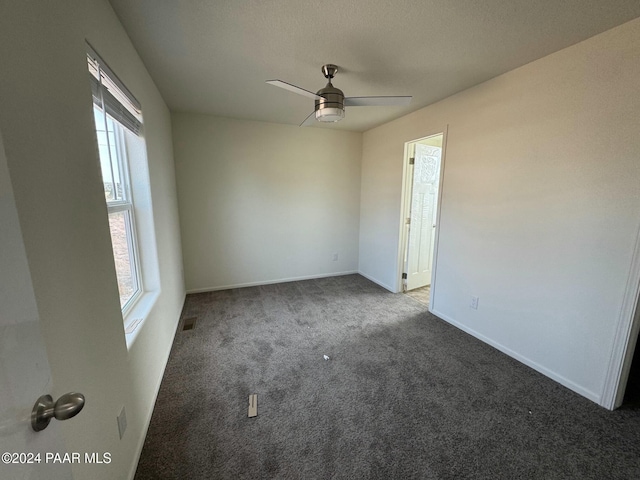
[
  {"x": 335, "y": 257},
  {"x": 474, "y": 303},
  {"x": 122, "y": 422}
]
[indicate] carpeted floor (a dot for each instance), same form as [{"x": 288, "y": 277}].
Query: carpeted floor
[{"x": 403, "y": 395}]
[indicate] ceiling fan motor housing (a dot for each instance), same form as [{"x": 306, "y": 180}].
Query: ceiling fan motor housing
[{"x": 330, "y": 108}]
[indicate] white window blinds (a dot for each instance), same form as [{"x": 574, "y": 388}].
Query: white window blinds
[{"x": 110, "y": 94}]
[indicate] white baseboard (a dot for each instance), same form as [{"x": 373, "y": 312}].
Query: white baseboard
[
  {"x": 374, "y": 280},
  {"x": 268, "y": 282},
  {"x": 594, "y": 397}
]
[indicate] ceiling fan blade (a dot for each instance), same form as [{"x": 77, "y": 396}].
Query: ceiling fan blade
[
  {"x": 293, "y": 88},
  {"x": 376, "y": 101},
  {"x": 311, "y": 119}
]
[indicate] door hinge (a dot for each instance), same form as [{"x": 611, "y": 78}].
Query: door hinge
[
  {"x": 412, "y": 161},
  {"x": 408, "y": 221},
  {"x": 404, "y": 276}
]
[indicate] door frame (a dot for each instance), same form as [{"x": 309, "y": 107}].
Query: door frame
[
  {"x": 626, "y": 336},
  {"x": 405, "y": 209}
]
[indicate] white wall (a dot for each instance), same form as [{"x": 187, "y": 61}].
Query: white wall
[
  {"x": 263, "y": 202},
  {"x": 540, "y": 206},
  {"x": 47, "y": 125}
]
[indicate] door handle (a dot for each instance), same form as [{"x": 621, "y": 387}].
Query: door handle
[{"x": 67, "y": 406}]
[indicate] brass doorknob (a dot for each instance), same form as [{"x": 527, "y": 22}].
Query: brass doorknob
[{"x": 67, "y": 406}]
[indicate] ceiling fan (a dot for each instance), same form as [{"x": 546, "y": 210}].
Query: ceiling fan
[{"x": 330, "y": 101}]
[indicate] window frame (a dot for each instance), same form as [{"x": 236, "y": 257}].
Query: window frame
[{"x": 125, "y": 204}]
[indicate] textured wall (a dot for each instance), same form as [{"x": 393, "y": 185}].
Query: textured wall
[
  {"x": 540, "y": 207},
  {"x": 263, "y": 202}
]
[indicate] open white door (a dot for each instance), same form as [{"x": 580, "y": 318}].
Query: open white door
[
  {"x": 24, "y": 366},
  {"x": 424, "y": 194}
]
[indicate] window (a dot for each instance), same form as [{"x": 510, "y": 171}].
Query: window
[{"x": 118, "y": 123}]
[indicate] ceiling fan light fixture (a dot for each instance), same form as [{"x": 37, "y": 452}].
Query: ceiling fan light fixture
[
  {"x": 330, "y": 104},
  {"x": 329, "y": 114}
]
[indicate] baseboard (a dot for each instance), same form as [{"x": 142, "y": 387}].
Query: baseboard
[
  {"x": 269, "y": 282},
  {"x": 594, "y": 397},
  {"x": 374, "y": 280},
  {"x": 147, "y": 421}
]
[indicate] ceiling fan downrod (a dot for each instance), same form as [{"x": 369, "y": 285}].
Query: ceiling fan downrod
[{"x": 329, "y": 108}]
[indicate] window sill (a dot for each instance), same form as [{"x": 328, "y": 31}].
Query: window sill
[{"x": 137, "y": 315}]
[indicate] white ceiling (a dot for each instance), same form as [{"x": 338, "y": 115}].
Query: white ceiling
[{"x": 213, "y": 56}]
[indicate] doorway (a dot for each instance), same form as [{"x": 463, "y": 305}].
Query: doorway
[
  {"x": 629, "y": 388},
  {"x": 423, "y": 172},
  {"x": 620, "y": 379},
  {"x": 632, "y": 391}
]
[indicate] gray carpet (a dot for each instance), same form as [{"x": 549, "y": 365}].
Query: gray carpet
[{"x": 403, "y": 395}]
